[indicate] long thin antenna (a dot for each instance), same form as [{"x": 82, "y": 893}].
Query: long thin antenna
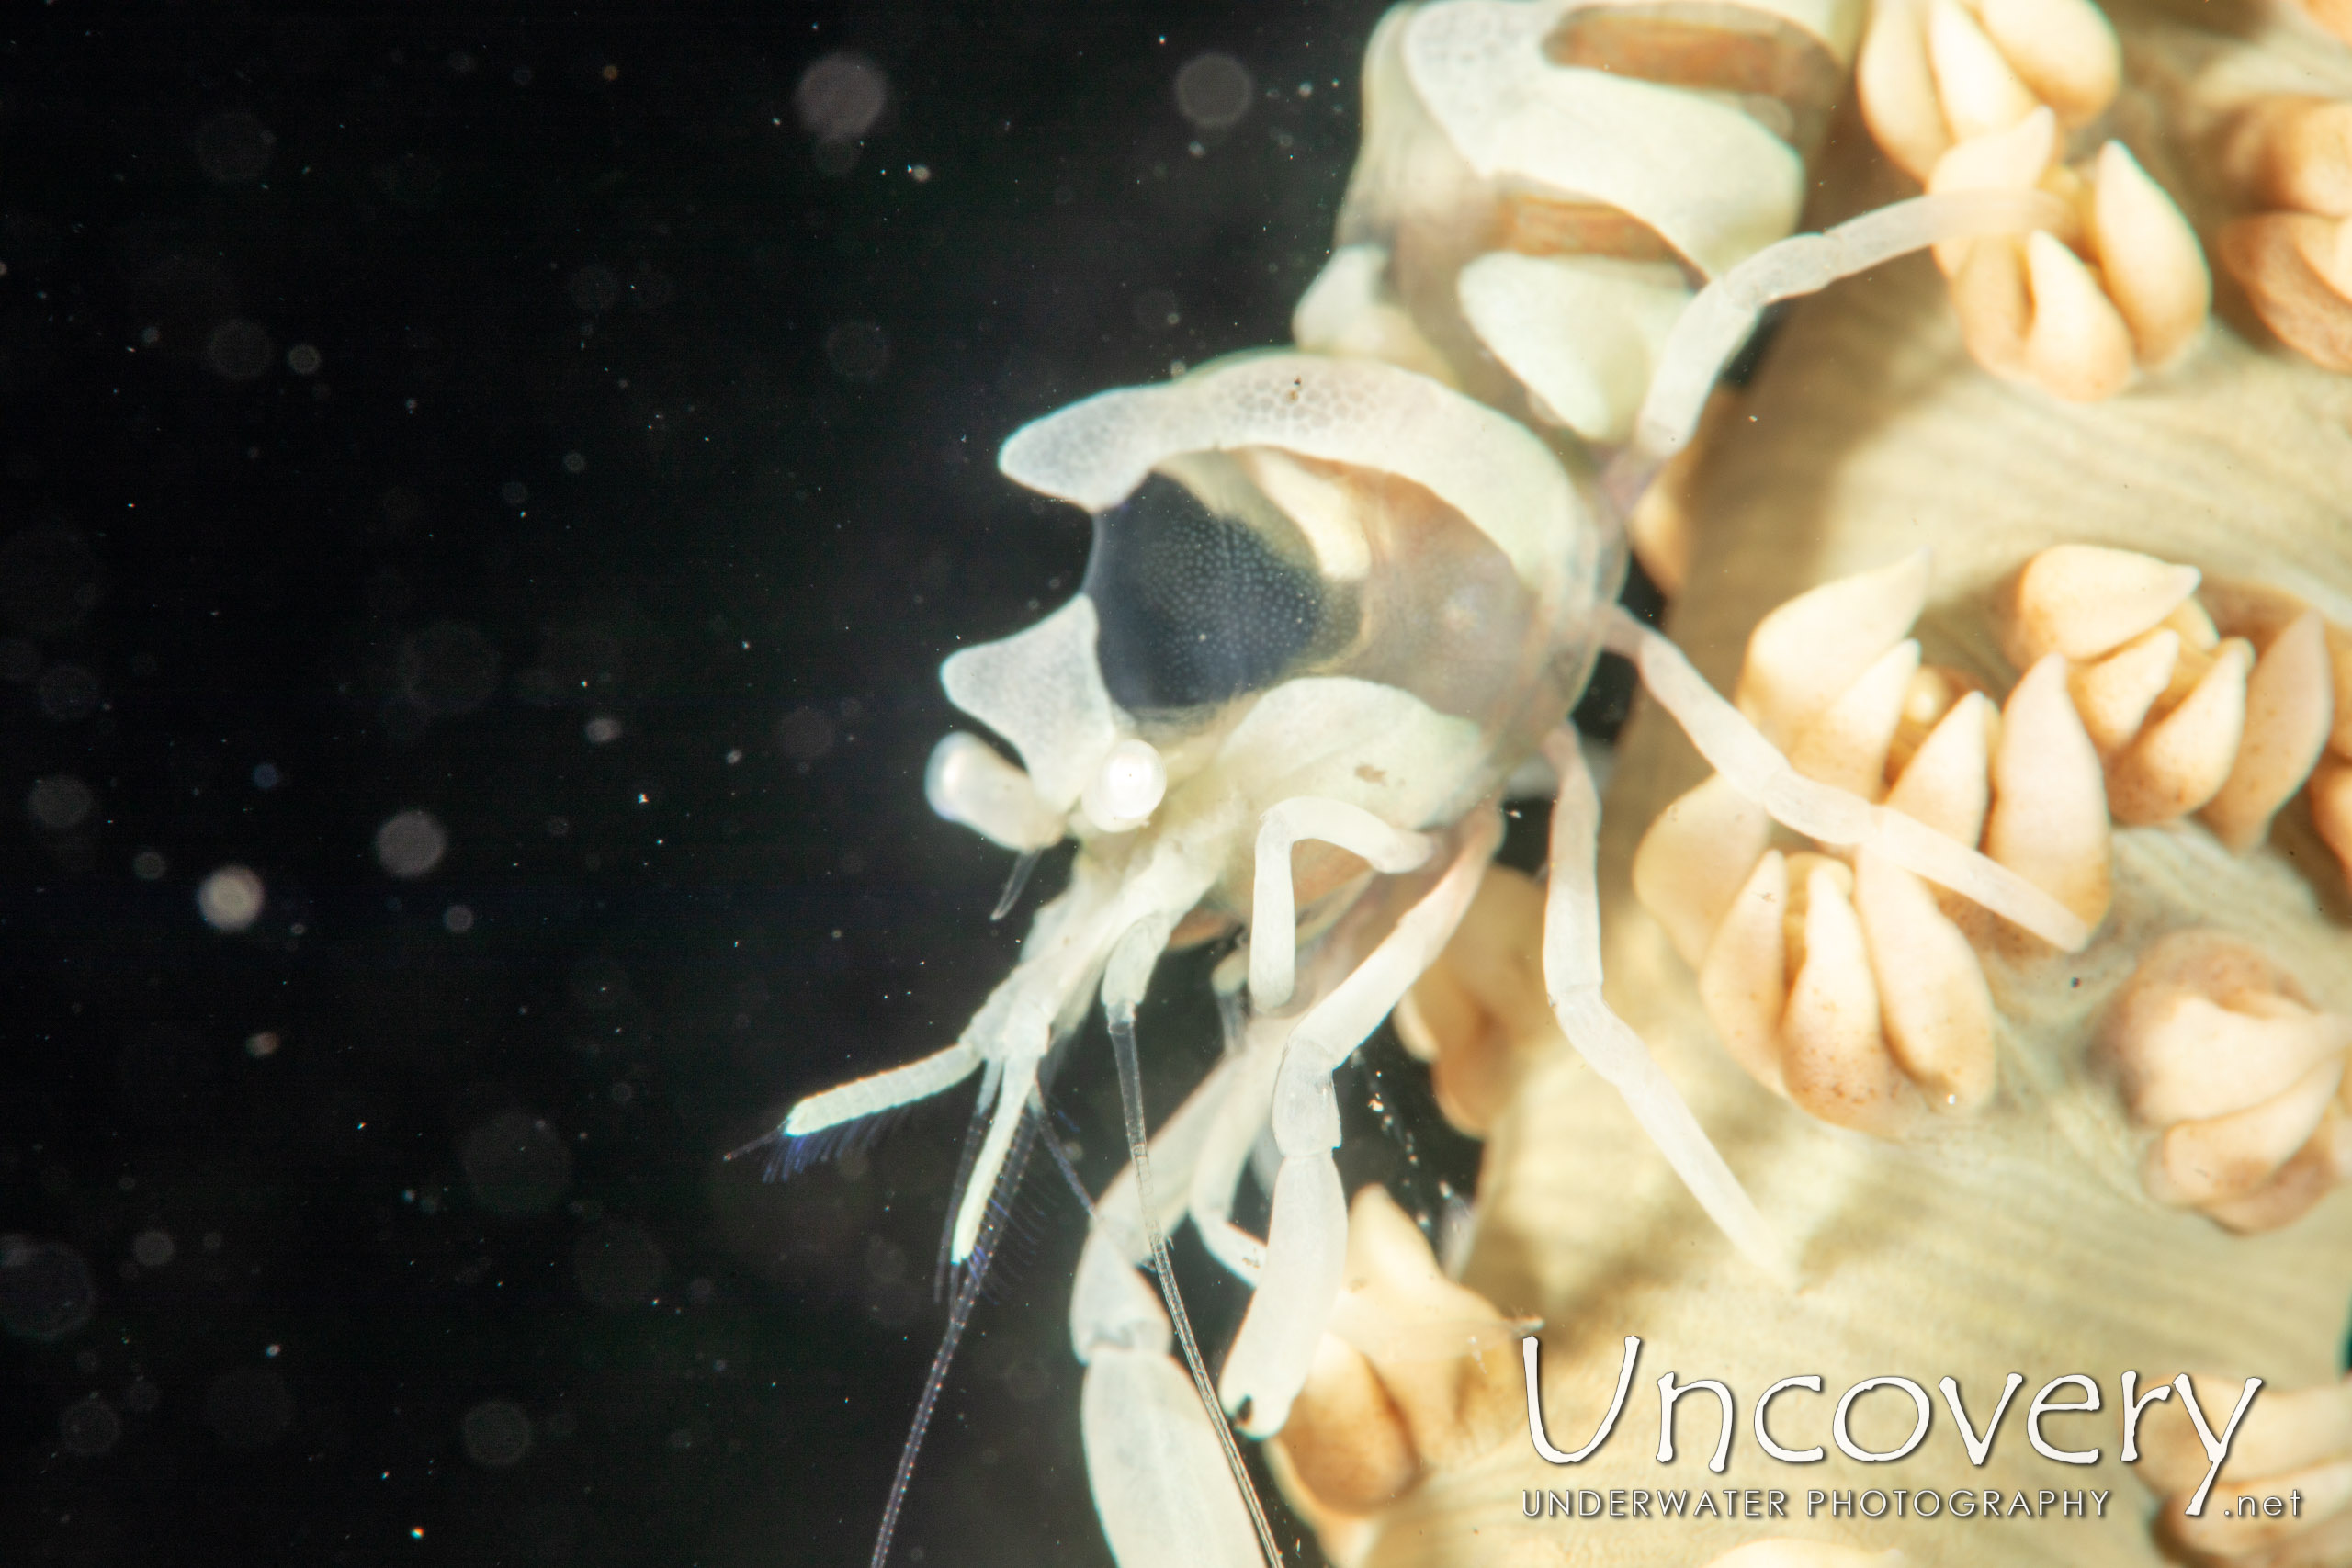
[
  {"x": 1045, "y": 1135},
  {"x": 1123, "y": 1047},
  {"x": 959, "y": 1312},
  {"x": 1015, "y": 884},
  {"x": 963, "y": 1163}
]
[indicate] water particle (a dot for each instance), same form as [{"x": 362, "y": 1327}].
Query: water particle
[
  {"x": 154, "y": 1248},
  {"x": 449, "y": 668},
  {"x": 858, "y": 350},
  {"x": 49, "y": 581},
  {"x": 88, "y": 1427},
  {"x": 1156, "y": 309},
  {"x": 412, "y": 179},
  {"x": 239, "y": 350},
  {"x": 599, "y": 984},
  {"x": 46, "y": 1289},
  {"x": 304, "y": 359},
  {"x": 60, "y": 802},
  {"x": 230, "y": 898},
  {"x": 841, "y": 96},
  {"x": 411, "y": 843},
  {"x": 67, "y": 692},
  {"x": 457, "y": 919},
  {"x": 148, "y": 865},
  {"x": 1214, "y": 90},
  {"x": 496, "y": 1433}
]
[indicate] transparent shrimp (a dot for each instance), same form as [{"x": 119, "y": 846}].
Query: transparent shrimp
[{"x": 1334, "y": 603}]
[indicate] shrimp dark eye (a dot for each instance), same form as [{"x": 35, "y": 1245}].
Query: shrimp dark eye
[{"x": 1196, "y": 608}]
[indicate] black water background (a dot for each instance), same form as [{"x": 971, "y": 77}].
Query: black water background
[{"x": 668, "y": 703}]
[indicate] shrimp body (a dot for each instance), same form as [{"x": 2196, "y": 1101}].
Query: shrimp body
[{"x": 1338, "y": 597}]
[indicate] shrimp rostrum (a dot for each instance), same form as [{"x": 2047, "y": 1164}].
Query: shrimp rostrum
[{"x": 1338, "y": 597}]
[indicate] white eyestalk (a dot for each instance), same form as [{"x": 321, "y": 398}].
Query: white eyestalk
[
  {"x": 966, "y": 781},
  {"x": 1126, "y": 789}
]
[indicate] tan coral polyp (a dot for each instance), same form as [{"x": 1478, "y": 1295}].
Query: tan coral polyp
[
  {"x": 1806, "y": 653},
  {"x": 2289, "y": 709},
  {"x": 2219, "y": 1047},
  {"x": 2149, "y": 260},
  {"x": 1693, "y": 859},
  {"x": 1946, "y": 784},
  {"x": 2181, "y": 761},
  {"x": 1345, "y": 1440},
  {"x": 1744, "y": 981},
  {"x": 2331, "y": 797},
  {"x": 1415, "y": 1369},
  {"x": 2290, "y": 265},
  {"x": 1979, "y": 90},
  {"x": 1834, "y": 1057},
  {"x": 2065, "y": 50},
  {"x": 2115, "y": 694},
  {"x": 1846, "y": 744},
  {"x": 1897, "y": 89},
  {"x": 2293, "y": 153},
  {"x": 2084, "y": 600},
  {"x": 2049, "y": 818},
  {"x": 2197, "y": 1162}
]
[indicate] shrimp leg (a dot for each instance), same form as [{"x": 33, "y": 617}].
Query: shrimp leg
[
  {"x": 1273, "y": 936},
  {"x": 1306, "y": 1232},
  {"x": 1572, "y": 976}
]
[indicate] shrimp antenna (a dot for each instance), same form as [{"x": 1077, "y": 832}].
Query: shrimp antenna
[
  {"x": 959, "y": 1313},
  {"x": 789, "y": 1154},
  {"x": 1717, "y": 321},
  {"x": 963, "y": 1163},
  {"x": 1063, "y": 1163},
  {"x": 1015, "y": 884},
  {"x": 1130, "y": 968}
]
